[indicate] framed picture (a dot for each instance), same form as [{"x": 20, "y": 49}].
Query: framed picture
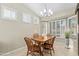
[
  {"x": 26, "y": 18},
  {"x": 35, "y": 20}
]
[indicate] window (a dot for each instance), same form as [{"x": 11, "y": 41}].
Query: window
[
  {"x": 53, "y": 27},
  {"x": 26, "y": 18},
  {"x": 13, "y": 14},
  {"x": 8, "y": 13},
  {"x": 58, "y": 23},
  {"x": 73, "y": 25},
  {"x": 58, "y": 27},
  {"x": 44, "y": 27},
  {"x": 63, "y": 27}
]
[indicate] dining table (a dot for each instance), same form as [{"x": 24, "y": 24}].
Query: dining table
[{"x": 41, "y": 40}]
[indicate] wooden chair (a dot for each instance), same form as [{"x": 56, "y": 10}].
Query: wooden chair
[
  {"x": 31, "y": 47},
  {"x": 48, "y": 45},
  {"x": 49, "y": 41},
  {"x": 35, "y": 35},
  {"x": 49, "y": 35}
]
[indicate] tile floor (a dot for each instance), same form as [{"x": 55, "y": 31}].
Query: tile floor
[{"x": 59, "y": 46}]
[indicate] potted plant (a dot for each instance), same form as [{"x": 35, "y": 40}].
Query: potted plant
[{"x": 67, "y": 37}]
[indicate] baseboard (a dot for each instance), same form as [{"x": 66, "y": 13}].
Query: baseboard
[{"x": 12, "y": 51}]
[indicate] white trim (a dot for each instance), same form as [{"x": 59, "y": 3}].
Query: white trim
[{"x": 8, "y": 53}]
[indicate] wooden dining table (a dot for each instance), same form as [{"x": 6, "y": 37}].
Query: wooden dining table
[{"x": 41, "y": 40}]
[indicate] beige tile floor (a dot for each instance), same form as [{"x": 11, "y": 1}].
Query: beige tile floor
[{"x": 59, "y": 46}]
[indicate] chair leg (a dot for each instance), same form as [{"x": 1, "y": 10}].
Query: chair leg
[
  {"x": 53, "y": 50},
  {"x": 33, "y": 54},
  {"x": 27, "y": 53}
]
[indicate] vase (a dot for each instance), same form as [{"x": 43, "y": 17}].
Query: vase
[{"x": 67, "y": 43}]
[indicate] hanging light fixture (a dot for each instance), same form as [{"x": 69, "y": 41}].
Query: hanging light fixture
[{"x": 46, "y": 12}]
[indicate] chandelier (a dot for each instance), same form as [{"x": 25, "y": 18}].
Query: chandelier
[{"x": 46, "y": 12}]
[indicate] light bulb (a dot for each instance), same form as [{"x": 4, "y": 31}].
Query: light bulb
[
  {"x": 50, "y": 11},
  {"x": 44, "y": 10},
  {"x": 41, "y": 13}
]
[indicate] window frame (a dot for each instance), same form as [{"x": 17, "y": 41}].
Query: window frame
[{"x": 10, "y": 10}]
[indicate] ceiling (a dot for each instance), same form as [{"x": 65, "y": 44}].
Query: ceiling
[{"x": 59, "y": 9}]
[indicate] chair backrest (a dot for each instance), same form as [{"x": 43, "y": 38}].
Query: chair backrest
[
  {"x": 49, "y": 35},
  {"x": 29, "y": 43},
  {"x": 35, "y": 35},
  {"x": 41, "y": 37},
  {"x": 51, "y": 41}
]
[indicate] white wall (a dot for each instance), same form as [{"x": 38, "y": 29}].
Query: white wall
[{"x": 12, "y": 33}]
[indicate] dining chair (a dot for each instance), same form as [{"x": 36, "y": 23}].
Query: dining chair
[
  {"x": 32, "y": 48},
  {"x": 48, "y": 45},
  {"x": 49, "y": 34},
  {"x": 35, "y": 35}
]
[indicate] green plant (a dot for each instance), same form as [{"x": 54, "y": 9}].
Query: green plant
[{"x": 67, "y": 34}]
